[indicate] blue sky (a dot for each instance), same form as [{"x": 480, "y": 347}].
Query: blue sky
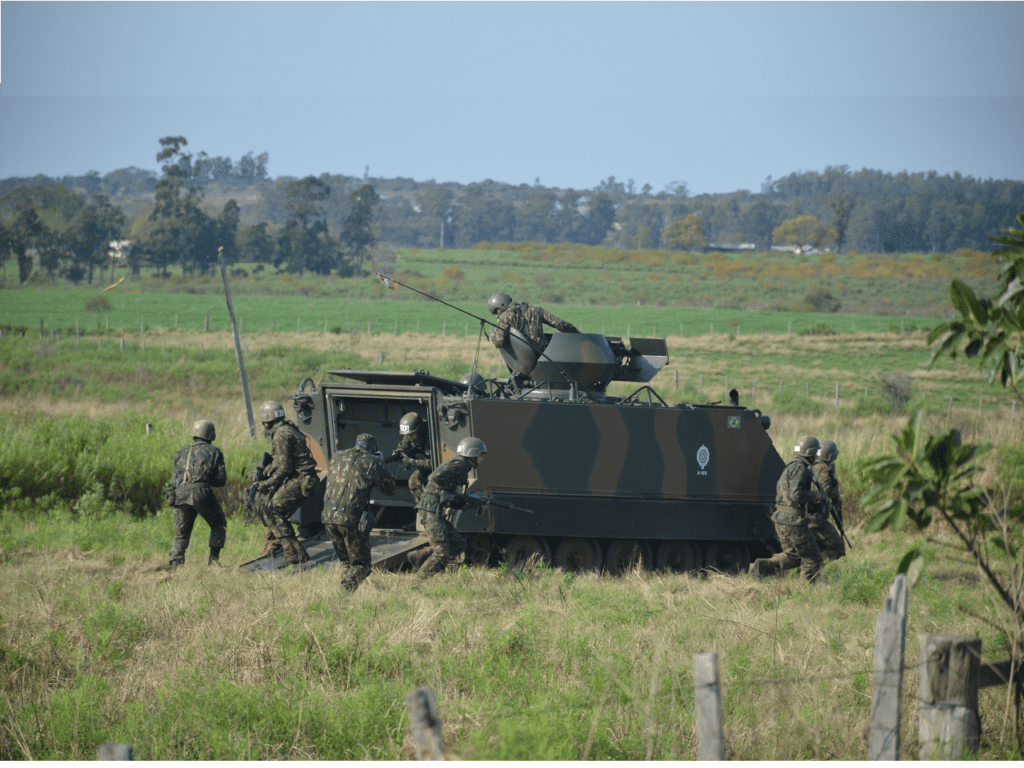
[{"x": 718, "y": 95}]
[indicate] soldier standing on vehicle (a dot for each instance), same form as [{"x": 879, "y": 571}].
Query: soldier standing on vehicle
[
  {"x": 434, "y": 506},
  {"x": 290, "y": 478},
  {"x": 525, "y": 318},
  {"x": 412, "y": 446},
  {"x": 792, "y": 494},
  {"x": 198, "y": 469},
  {"x": 829, "y": 541},
  {"x": 351, "y": 476}
]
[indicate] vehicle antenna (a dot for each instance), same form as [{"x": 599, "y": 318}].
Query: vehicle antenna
[{"x": 390, "y": 283}]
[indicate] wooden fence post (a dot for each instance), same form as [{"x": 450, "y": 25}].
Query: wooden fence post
[
  {"x": 950, "y": 668},
  {"x": 708, "y": 704},
  {"x": 113, "y": 751},
  {"x": 887, "y": 694},
  {"x": 425, "y": 724}
]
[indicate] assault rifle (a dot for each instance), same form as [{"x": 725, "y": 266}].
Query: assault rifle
[
  {"x": 476, "y": 500},
  {"x": 832, "y": 511},
  {"x": 256, "y": 476}
]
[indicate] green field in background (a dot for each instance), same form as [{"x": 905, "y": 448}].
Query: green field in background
[{"x": 61, "y": 308}]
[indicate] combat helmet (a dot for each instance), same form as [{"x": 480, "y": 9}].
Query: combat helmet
[
  {"x": 271, "y": 411},
  {"x": 204, "y": 430},
  {"x": 806, "y": 447},
  {"x": 828, "y": 452},
  {"x": 473, "y": 382},
  {"x": 499, "y": 302},
  {"x": 471, "y": 447},
  {"x": 410, "y": 423},
  {"x": 367, "y": 442}
]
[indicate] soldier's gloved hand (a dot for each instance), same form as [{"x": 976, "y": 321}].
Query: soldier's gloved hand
[
  {"x": 366, "y": 521},
  {"x": 408, "y": 463}
]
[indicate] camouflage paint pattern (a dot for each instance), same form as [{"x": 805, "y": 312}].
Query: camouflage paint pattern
[
  {"x": 444, "y": 541},
  {"x": 825, "y": 473},
  {"x": 353, "y": 551},
  {"x": 605, "y": 469},
  {"x": 611, "y": 470},
  {"x": 528, "y": 319},
  {"x": 198, "y": 468},
  {"x": 412, "y": 447},
  {"x": 351, "y": 475},
  {"x": 799, "y": 548},
  {"x": 830, "y": 542},
  {"x": 290, "y": 455}
]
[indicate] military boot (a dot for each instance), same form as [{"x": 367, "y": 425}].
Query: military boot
[
  {"x": 214, "y": 556},
  {"x": 416, "y": 557},
  {"x": 760, "y": 568},
  {"x": 271, "y": 546},
  {"x": 295, "y": 553}
]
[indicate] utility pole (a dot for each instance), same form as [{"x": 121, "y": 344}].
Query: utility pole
[{"x": 238, "y": 347}]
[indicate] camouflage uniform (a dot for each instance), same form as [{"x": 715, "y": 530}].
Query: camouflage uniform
[
  {"x": 799, "y": 547},
  {"x": 445, "y": 542},
  {"x": 290, "y": 478},
  {"x": 198, "y": 469},
  {"x": 819, "y": 521},
  {"x": 350, "y": 478},
  {"x": 527, "y": 319},
  {"x": 410, "y": 447}
]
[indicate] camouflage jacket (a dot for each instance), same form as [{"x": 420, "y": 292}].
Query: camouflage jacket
[
  {"x": 411, "y": 446},
  {"x": 527, "y": 319},
  {"x": 792, "y": 493},
  {"x": 351, "y": 476},
  {"x": 197, "y": 468},
  {"x": 289, "y": 453},
  {"x": 450, "y": 477},
  {"x": 825, "y": 472}
]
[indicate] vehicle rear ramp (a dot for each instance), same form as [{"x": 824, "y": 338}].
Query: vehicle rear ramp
[{"x": 388, "y": 551}]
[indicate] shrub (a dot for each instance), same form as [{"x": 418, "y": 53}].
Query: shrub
[
  {"x": 822, "y": 300},
  {"x": 98, "y": 304},
  {"x": 898, "y": 389}
]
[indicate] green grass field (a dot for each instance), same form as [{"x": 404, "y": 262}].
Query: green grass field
[
  {"x": 99, "y": 643},
  {"x": 60, "y": 309}
]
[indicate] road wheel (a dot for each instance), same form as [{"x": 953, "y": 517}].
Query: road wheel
[
  {"x": 478, "y": 549},
  {"x": 678, "y": 557},
  {"x": 524, "y": 550},
  {"x": 579, "y": 555},
  {"x": 624, "y": 555},
  {"x": 727, "y": 557}
]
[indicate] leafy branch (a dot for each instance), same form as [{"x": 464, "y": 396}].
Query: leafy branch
[
  {"x": 991, "y": 329},
  {"x": 935, "y": 477}
]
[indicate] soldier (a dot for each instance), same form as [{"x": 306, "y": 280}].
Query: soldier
[
  {"x": 290, "y": 478},
  {"x": 198, "y": 469},
  {"x": 792, "y": 494},
  {"x": 350, "y": 478},
  {"x": 450, "y": 477},
  {"x": 830, "y": 542},
  {"x": 411, "y": 447},
  {"x": 525, "y": 318}
]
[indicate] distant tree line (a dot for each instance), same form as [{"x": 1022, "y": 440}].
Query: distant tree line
[{"x": 330, "y": 223}]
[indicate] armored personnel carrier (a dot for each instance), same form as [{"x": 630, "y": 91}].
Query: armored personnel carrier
[{"x": 598, "y": 482}]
